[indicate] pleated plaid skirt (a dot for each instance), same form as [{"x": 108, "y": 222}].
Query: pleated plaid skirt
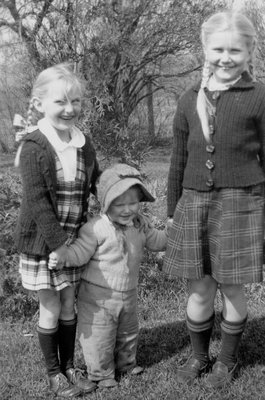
[
  {"x": 34, "y": 270},
  {"x": 218, "y": 233}
]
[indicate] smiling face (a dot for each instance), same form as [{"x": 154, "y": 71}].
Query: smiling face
[
  {"x": 61, "y": 106},
  {"x": 228, "y": 55},
  {"x": 125, "y": 207}
]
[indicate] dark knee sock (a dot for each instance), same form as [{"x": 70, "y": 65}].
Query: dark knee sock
[
  {"x": 48, "y": 339},
  {"x": 231, "y": 336},
  {"x": 200, "y": 335},
  {"x": 67, "y": 331}
]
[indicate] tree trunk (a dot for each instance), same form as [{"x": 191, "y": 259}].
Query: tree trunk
[{"x": 150, "y": 111}]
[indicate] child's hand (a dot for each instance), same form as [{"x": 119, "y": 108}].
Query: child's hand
[
  {"x": 169, "y": 223},
  {"x": 53, "y": 262},
  {"x": 142, "y": 222},
  {"x": 57, "y": 258}
]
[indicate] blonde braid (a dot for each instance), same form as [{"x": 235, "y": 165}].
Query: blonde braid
[
  {"x": 30, "y": 115},
  {"x": 206, "y": 73},
  {"x": 203, "y": 106}
]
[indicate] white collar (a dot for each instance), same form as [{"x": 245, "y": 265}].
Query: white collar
[
  {"x": 214, "y": 85},
  {"x": 77, "y": 137}
]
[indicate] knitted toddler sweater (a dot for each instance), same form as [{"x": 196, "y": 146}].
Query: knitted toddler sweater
[
  {"x": 237, "y": 155},
  {"x": 113, "y": 253}
]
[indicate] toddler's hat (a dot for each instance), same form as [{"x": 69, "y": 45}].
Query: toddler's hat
[{"x": 116, "y": 180}]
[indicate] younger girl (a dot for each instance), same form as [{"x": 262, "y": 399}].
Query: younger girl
[
  {"x": 216, "y": 193},
  {"x": 58, "y": 168}
]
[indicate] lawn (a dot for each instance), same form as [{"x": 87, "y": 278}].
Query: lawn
[{"x": 163, "y": 342}]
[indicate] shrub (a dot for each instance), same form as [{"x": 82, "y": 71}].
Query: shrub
[{"x": 15, "y": 302}]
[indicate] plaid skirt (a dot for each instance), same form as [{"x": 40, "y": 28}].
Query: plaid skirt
[
  {"x": 218, "y": 233},
  {"x": 35, "y": 274}
]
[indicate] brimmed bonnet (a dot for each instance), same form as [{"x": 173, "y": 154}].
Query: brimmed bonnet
[{"x": 115, "y": 181}]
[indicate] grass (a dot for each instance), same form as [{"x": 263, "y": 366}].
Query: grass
[{"x": 163, "y": 341}]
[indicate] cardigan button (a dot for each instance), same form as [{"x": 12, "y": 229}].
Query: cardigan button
[
  {"x": 209, "y": 182},
  {"x": 216, "y": 95},
  {"x": 209, "y": 164},
  {"x": 210, "y": 148},
  {"x": 211, "y": 128}
]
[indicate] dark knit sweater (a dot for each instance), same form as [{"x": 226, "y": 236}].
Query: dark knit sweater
[
  {"x": 38, "y": 230},
  {"x": 239, "y": 142}
]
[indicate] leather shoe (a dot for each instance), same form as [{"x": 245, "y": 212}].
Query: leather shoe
[
  {"x": 221, "y": 375},
  {"x": 77, "y": 377},
  {"x": 60, "y": 386},
  {"x": 137, "y": 370},
  {"x": 107, "y": 383},
  {"x": 192, "y": 369}
]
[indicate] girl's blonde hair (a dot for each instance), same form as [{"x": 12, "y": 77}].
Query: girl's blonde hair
[
  {"x": 63, "y": 72},
  {"x": 221, "y": 22}
]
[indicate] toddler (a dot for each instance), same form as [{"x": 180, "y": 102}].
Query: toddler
[{"x": 112, "y": 245}]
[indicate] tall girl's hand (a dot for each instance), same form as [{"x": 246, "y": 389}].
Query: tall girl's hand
[{"x": 169, "y": 223}]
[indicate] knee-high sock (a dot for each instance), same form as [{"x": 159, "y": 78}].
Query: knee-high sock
[
  {"x": 48, "y": 339},
  {"x": 200, "y": 335},
  {"x": 66, "y": 333},
  {"x": 231, "y": 336}
]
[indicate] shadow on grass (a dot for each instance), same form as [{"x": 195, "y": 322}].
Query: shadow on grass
[
  {"x": 169, "y": 340},
  {"x": 252, "y": 346},
  {"x": 252, "y": 349},
  {"x": 162, "y": 342}
]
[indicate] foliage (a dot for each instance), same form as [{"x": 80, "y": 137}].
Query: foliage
[
  {"x": 15, "y": 302},
  {"x": 123, "y": 53},
  {"x": 10, "y": 196},
  {"x": 124, "y": 144},
  {"x": 117, "y": 45},
  {"x": 255, "y": 10}
]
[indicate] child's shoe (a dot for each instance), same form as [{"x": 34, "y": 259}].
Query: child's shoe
[
  {"x": 77, "y": 377},
  {"x": 221, "y": 374},
  {"x": 137, "y": 370},
  {"x": 192, "y": 369},
  {"x": 107, "y": 383},
  {"x": 60, "y": 386}
]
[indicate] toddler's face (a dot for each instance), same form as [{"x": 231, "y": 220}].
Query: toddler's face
[{"x": 125, "y": 207}]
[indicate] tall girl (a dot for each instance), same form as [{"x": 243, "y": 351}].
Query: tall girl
[
  {"x": 59, "y": 168},
  {"x": 216, "y": 193}
]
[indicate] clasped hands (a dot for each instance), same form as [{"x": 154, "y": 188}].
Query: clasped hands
[{"x": 57, "y": 258}]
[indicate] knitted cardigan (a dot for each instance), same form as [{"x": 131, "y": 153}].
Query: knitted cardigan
[
  {"x": 239, "y": 141},
  {"x": 38, "y": 230},
  {"x": 113, "y": 254}
]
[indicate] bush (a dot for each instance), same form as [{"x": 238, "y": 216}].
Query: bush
[
  {"x": 15, "y": 302},
  {"x": 10, "y": 198}
]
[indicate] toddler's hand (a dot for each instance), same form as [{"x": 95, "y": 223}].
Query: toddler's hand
[
  {"x": 57, "y": 258},
  {"x": 53, "y": 262},
  {"x": 142, "y": 222}
]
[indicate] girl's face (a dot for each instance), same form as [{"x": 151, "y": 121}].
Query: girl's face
[
  {"x": 61, "y": 106},
  {"x": 125, "y": 207},
  {"x": 228, "y": 55}
]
